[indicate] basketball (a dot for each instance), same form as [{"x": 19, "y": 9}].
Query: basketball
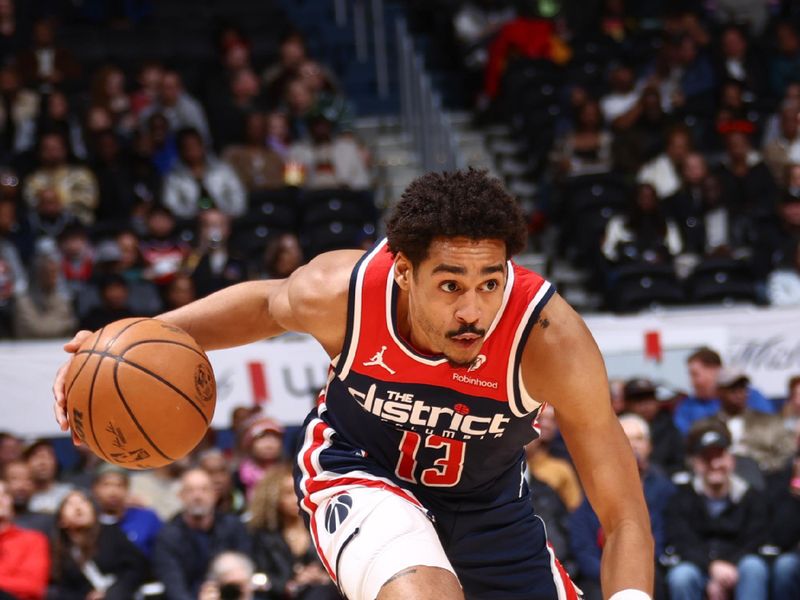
[{"x": 140, "y": 393}]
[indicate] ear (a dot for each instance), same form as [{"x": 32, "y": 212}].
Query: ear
[{"x": 402, "y": 271}]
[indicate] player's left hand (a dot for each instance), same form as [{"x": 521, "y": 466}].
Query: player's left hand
[{"x": 59, "y": 394}]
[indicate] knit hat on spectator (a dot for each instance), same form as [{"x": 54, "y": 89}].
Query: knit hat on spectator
[
  {"x": 259, "y": 426},
  {"x": 729, "y": 377}
]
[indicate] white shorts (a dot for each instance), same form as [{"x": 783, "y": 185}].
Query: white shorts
[{"x": 366, "y": 535}]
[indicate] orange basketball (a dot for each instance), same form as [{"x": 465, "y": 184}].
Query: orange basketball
[{"x": 140, "y": 393}]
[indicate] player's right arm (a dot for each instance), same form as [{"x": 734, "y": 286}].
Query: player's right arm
[{"x": 312, "y": 300}]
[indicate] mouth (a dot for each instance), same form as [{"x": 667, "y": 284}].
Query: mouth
[{"x": 466, "y": 340}]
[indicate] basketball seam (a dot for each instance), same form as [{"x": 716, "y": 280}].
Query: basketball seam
[
  {"x": 96, "y": 340},
  {"x": 132, "y": 416},
  {"x": 156, "y": 341},
  {"x": 89, "y": 407},
  {"x": 121, "y": 331}
]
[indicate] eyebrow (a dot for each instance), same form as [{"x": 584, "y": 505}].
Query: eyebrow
[{"x": 459, "y": 270}]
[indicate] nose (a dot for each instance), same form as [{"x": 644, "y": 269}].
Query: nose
[{"x": 468, "y": 311}]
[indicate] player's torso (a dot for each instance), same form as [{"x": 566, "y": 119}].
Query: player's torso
[{"x": 456, "y": 431}]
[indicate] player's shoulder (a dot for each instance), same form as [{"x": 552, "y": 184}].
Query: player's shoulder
[{"x": 325, "y": 277}]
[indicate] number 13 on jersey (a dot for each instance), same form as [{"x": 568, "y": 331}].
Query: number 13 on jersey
[{"x": 445, "y": 472}]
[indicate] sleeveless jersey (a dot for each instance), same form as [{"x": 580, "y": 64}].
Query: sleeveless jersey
[{"x": 453, "y": 434}]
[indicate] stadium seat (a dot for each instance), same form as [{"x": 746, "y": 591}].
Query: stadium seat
[{"x": 722, "y": 280}]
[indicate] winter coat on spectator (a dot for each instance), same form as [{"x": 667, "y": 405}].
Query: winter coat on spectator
[
  {"x": 49, "y": 316},
  {"x": 693, "y": 409},
  {"x": 24, "y": 563},
  {"x": 183, "y": 192},
  {"x": 114, "y": 556},
  {"x": 699, "y": 538},
  {"x": 182, "y": 554}
]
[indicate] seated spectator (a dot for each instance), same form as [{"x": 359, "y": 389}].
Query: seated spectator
[
  {"x": 738, "y": 63},
  {"x": 297, "y": 103},
  {"x": 778, "y": 152},
  {"x": 163, "y": 252},
  {"x": 621, "y": 107},
  {"x": 783, "y": 284},
  {"x": 791, "y": 408},
  {"x": 558, "y": 473},
  {"x": 186, "y": 544},
  {"x": 11, "y": 34},
  {"x": 48, "y": 490},
  {"x": 747, "y": 185},
  {"x": 663, "y": 172},
  {"x": 278, "y": 134},
  {"x": 753, "y": 14},
  {"x": 263, "y": 451},
  {"x": 586, "y": 535},
  {"x": 785, "y": 531},
  {"x": 24, "y": 556},
  {"x": 327, "y": 98},
  {"x": 158, "y": 489},
  {"x": 257, "y": 166},
  {"x": 59, "y": 115},
  {"x": 640, "y": 135},
  {"x": 10, "y": 248},
  {"x": 212, "y": 265},
  {"x": 329, "y": 160},
  {"x": 199, "y": 182},
  {"x": 772, "y": 127},
  {"x": 756, "y": 435},
  {"x": 665, "y": 441},
  {"x": 149, "y": 79},
  {"x": 91, "y": 560},
  {"x": 75, "y": 186},
  {"x": 158, "y": 144},
  {"x": 785, "y": 65},
  {"x": 108, "y": 92},
  {"x": 115, "y": 180},
  {"x": 45, "y": 65},
  {"x": 644, "y": 234},
  {"x": 587, "y": 149},
  {"x": 282, "y": 256},
  {"x": 77, "y": 262},
  {"x": 181, "y": 110},
  {"x": 113, "y": 306},
  {"x": 704, "y": 365},
  {"x": 180, "y": 291},
  {"x": 11, "y": 447},
  {"x": 17, "y": 475},
  {"x": 110, "y": 492},
  {"x": 282, "y": 546},
  {"x": 715, "y": 525},
  {"x": 229, "y": 115},
  {"x": 49, "y": 217},
  {"x": 45, "y": 309},
  {"x": 475, "y": 24},
  {"x": 291, "y": 54},
  {"x": 230, "y": 575},
  {"x": 229, "y": 498},
  {"x": 18, "y": 112}
]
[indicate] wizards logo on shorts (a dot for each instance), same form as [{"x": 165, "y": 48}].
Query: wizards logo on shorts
[{"x": 337, "y": 511}]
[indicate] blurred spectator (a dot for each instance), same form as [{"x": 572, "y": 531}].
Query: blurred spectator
[
  {"x": 475, "y": 24},
  {"x": 785, "y": 65},
  {"x": 785, "y": 532},
  {"x": 663, "y": 172},
  {"x": 327, "y": 98},
  {"x": 753, "y": 13},
  {"x": 230, "y": 112},
  {"x": 115, "y": 180},
  {"x": 92, "y": 561},
  {"x": 48, "y": 490},
  {"x": 687, "y": 81},
  {"x": 159, "y": 143},
  {"x": 621, "y": 107},
  {"x": 16, "y": 280},
  {"x": 19, "y": 108},
  {"x": 75, "y": 186},
  {"x": 664, "y": 439},
  {"x": 211, "y": 264},
  {"x": 149, "y": 79},
  {"x": 747, "y": 185},
  {"x": 163, "y": 252},
  {"x": 555, "y": 472},
  {"x": 282, "y": 546},
  {"x": 179, "y": 292},
  {"x": 586, "y": 535},
  {"x": 617, "y": 392},
  {"x": 791, "y": 97},
  {"x": 738, "y": 63},
  {"x": 158, "y": 489},
  {"x": 753, "y": 434},
  {"x": 49, "y": 217},
  {"x": 291, "y": 54},
  {"x": 17, "y": 475},
  {"x": 108, "y": 92},
  {"x": 110, "y": 492},
  {"x": 199, "y": 182},
  {"x": 641, "y": 133},
  {"x": 230, "y": 575},
  {"x": 282, "y": 256},
  {"x": 24, "y": 560},
  {"x": 77, "y": 261},
  {"x": 263, "y": 450},
  {"x": 777, "y": 241},
  {"x": 258, "y": 166},
  {"x": 188, "y": 542},
  {"x": 715, "y": 525},
  {"x": 704, "y": 365},
  {"x": 113, "y": 303},
  {"x": 778, "y": 151},
  {"x": 791, "y": 408},
  {"x": 11, "y": 448},
  {"x": 298, "y": 101},
  {"x": 11, "y": 35},
  {"x": 587, "y": 149},
  {"x": 278, "y": 136},
  {"x": 57, "y": 115},
  {"x": 328, "y": 160},
  {"x": 180, "y": 109},
  {"x": 217, "y": 465},
  {"x": 44, "y": 64},
  {"x": 783, "y": 284},
  {"x": 45, "y": 309},
  {"x": 644, "y": 234}
]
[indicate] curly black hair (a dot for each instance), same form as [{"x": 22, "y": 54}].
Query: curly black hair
[{"x": 466, "y": 204}]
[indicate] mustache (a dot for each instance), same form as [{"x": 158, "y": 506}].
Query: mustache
[{"x": 466, "y": 328}]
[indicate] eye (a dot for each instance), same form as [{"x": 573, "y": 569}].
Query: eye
[
  {"x": 491, "y": 285},
  {"x": 449, "y": 287}
]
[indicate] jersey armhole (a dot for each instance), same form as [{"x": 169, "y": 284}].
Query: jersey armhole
[{"x": 520, "y": 401}]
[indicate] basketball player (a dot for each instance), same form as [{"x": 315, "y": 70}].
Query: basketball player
[{"x": 410, "y": 471}]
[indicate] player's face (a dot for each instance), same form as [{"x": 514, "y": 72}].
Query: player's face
[{"x": 453, "y": 296}]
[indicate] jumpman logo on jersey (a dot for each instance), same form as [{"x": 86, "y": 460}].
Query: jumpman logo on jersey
[{"x": 377, "y": 361}]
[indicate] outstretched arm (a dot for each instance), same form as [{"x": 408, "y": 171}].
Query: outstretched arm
[
  {"x": 563, "y": 367},
  {"x": 312, "y": 300}
]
